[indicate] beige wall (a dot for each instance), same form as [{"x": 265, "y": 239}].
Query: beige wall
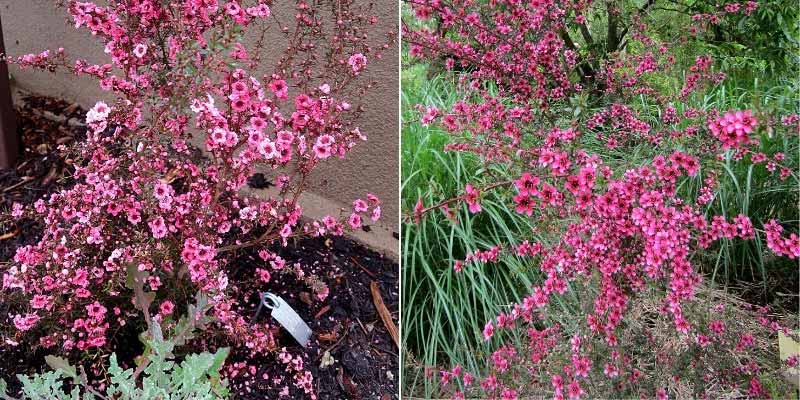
[{"x": 34, "y": 25}]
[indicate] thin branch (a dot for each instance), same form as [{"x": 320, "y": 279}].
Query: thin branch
[
  {"x": 587, "y": 36},
  {"x": 459, "y": 198},
  {"x": 612, "y": 36},
  {"x": 625, "y": 30}
]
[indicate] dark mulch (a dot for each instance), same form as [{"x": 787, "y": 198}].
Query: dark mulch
[
  {"x": 44, "y": 124},
  {"x": 346, "y": 323}
]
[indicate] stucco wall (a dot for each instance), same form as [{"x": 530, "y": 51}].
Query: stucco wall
[{"x": 33, "y": 25}]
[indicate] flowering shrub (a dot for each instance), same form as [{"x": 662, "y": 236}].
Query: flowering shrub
[
  {"x": 535, "y": 102},
  {"x": 149, "y": 220}
]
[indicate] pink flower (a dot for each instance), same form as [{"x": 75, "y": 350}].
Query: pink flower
[
  {"x": 322, "y": 293},
  {"x": 263, "y": 275},
  {"x": 359, "y": 205},
  {"x": 430, "y": 114},
  {"x": 166, "y": 308},
  {"x": 733, "y": 128},
  {"x": 357, "y": 62},
  {"x": 163, "y": 190},
  {"x": 97, "y": 116},
  {"x": 286, "y": 231},
  {"x": 278, "y": 263},
  {"x": 322, "y": 148},
  {"x": 526, "y": 184},
  {"x": 488, "y": 330},
  {"x": 158, "y": 228},
  {"x": 41, "y": 301},
  {"x": 25, "y": 322},
  {"x": 16, "y": 210},
  {"x": 279, "y": 88},
  {"x": 508, "y": 394},
  {"x": 468, "y": 379},
  {"x": 524, "y": 204},
  {"x": 232, "y": 8},
  {"x": 260, "y": 10},
  {"x": 490, "y": 383},
  {"x": 96, "y": 311},
  {"x": 472, "y": 199},
  {"x": 268, "y": 150},
  {"x": 574, "y": 390},
  {"x": 419, "y": 208},
  {"x": 354, "y": 221},
  {"x": 240, "y": 103},
  {"x": 376, "y": 213}
]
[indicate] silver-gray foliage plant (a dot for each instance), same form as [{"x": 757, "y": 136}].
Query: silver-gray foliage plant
[{"x": 158, "y": 376}]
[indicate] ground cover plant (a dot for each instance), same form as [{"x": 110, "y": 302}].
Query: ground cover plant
[
  {"x": 651, "y": 182},
  {"x": 143, "y": 234}
]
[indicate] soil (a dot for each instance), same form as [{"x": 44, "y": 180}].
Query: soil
[
  {"x": 43, "y": 123},
  {"x": 346, "y": 324}
]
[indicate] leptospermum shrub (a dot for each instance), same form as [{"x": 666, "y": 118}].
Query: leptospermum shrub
[
  {"x": 149, "y": 220},
  {"x": 624, "y": 240}
]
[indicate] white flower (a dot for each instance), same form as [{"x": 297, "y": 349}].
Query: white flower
[{"x": 140, "y": 50}]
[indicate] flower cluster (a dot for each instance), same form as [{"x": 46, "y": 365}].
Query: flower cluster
[
  {"x": 733, "y": 128},
  {"x": 149, "y": 220}
]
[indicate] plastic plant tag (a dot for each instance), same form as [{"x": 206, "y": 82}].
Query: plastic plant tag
[
  {"x": 286, "y": 316},
  {"x": 788, "y": 348}
]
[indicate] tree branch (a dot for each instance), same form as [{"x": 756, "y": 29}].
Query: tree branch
[
  {"x": 587, "y": 36},
  {"x": 586, "y": 71},
  {"x": 625, "y": 30},
  {"x": 612, "y": 40}
]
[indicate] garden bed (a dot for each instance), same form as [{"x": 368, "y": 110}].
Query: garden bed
[
  {"x": 44, "y": 124},
  {"x": 346, "y": 325}
]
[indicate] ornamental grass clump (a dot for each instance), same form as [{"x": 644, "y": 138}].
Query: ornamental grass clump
[
  {"x": 148, "y": 221},
  {"x": 546, "y": 98}
]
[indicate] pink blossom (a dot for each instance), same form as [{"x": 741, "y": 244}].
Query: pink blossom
[
  {"x": 357, "y": 62},
  {"x": 471, "y": 197},
  {"x": 166, "y": 307},
  {"x": 376, "y": 214},
  {"x": 354, "y": 221},
  {"x": 359, "y": 205},
  {"x": 25, "y": 322},
  {"x": 279, "y": 88},
  {"x": 488, "y": 331}
]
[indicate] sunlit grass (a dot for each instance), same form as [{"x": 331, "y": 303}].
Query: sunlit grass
[{"x": 444, "y": 310}]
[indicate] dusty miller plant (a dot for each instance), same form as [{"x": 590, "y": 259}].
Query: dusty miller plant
[{"x": 158, "y": 375}]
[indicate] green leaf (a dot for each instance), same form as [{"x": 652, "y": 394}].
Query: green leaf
[
  {"x": 219, "y": 359},
  {"x": 121, "y": 380},
  {"x": 60, "y": 364}
]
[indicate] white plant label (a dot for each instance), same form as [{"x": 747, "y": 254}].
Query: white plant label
[{"x": 287, "y": 317}]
